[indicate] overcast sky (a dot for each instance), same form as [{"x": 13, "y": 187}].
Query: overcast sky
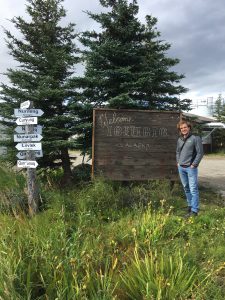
[{"x": 195, "y": 29}]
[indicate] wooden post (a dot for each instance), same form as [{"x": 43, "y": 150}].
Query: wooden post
[{"x": 32, "y": 187}]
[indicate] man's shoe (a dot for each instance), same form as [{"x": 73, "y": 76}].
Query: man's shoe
[{"x": 191, "y": 214}]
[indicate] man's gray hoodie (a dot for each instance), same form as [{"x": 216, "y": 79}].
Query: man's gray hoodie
[{"x": 189, "y": 150}]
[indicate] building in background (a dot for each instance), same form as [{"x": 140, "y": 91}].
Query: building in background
[{"x": 211, "y": 131}]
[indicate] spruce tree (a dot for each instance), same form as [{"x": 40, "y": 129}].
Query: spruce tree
[
  {"x": 46, "y": 56},
  {"x": 219, "y": 113},
  {"x": 127, "y": 64},
  {"x": 219, "y": 109}
]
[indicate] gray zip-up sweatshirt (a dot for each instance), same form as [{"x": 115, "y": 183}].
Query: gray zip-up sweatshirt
[{"x": 192, "y": 151}]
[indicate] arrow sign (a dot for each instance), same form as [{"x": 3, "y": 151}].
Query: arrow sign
[
  {"x": 30, "y": 164},
  {"x": 22, "y": 129},
  {"x": 29, "y": 146},
  {"x": 30, "y": 112},
  {"x": 27, "y": 137},
  {"x": 26, "y": 121},
  {"x": 23, "y": 154},
  {"x": 25, "y": 104}
]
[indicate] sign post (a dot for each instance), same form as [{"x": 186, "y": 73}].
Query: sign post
[{"x": 27, "y": 134}]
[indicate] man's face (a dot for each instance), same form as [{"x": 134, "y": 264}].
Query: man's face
[{"x": 184, "y": 129}]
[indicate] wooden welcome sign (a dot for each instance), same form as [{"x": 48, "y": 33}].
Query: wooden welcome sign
[{"x": 134, "y": 144}]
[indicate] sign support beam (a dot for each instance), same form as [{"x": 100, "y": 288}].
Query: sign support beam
[{"x": 32, "y": 187}]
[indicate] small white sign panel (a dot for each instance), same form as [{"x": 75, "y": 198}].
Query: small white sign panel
[
  {"x": 25, "y": 104},
  {"x": 31, "y": 112},
  {"x": 23, "y": 154},
  {"x": 27, "y": 137},
  {"x": 26, "y": 121},
  {"x": 22, "y": 129},
  {"x": 29, "y": 146},
  {"x": 30, "y": 164}
]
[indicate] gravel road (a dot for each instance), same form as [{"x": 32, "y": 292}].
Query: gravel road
[{"x": 212, "y": 173}]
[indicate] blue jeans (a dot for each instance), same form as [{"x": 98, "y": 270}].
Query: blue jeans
[{"x": 189, "y": 180}]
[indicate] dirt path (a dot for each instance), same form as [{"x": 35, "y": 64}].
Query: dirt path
[{"x": 212, "y": 173}]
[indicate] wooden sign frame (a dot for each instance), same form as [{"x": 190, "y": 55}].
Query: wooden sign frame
[{"x": 131, "y": 145}]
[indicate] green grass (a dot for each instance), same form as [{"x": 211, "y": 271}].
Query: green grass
[{"x": 103, "y": 240}]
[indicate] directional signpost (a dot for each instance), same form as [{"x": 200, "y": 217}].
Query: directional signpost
[
  {"x": 27, "y": 164},
  {"x": 22, "y": 129},
  {"x": 28, "y": 146},
  {"x": 31, "y": 112},
  {"x": 23, "y": 154},
  {"x": 28, "y": 135},
  {"x": 25, "y": 104},
  {"x": 26, "y": 121}
]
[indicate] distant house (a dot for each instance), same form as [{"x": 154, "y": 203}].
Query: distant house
[{"x": 209, "y": 126}]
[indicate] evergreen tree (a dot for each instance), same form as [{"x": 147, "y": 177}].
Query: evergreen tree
[
  {"x": 46, "y": 54},
  {"x": 126, "y": 63},
  {"x": 219, "y": 134},
  {"x": 219, "y": 109}
]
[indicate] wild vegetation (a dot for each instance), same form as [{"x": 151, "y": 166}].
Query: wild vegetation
[
  {"x": 105, "y": 240},
  {"x": 98, "y": 240}
]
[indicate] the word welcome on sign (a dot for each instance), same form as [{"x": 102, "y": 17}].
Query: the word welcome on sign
[{"x": 134, "y": 144}]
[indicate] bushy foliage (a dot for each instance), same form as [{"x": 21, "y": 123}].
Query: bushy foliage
[{"x": 110, "y": 241}]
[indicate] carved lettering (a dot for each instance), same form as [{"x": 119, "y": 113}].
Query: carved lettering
[
  {"x": 109, "y": 131},
  {"x": 133, "y": 146},
  {"x": 118, "y": 131},
  {"x": 136, "y": 131},
  {"x": 115, "y": 119},
  {"x": 146, "y": 131},
  {"x": 163, "y": 132}
]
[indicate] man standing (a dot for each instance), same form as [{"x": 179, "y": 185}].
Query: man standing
[{"x": 188, "y": 155}]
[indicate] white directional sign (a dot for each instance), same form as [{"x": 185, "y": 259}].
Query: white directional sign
[
  {"x": 29, "y": 112},
  {"x": 23, "y": 154},
  {"x": 28, "y": 134},
  {"x": 25, "y": 104},
  {"x": 30, "y": 164},
  {"x": 27, "y": 137},
  {"x": 22, "y": 129},
  {"x": 26, "y": 121},
  {"x": 29, "y": 146}
]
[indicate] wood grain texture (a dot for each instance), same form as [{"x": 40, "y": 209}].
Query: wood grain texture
[{"x": 134, "y": 144}]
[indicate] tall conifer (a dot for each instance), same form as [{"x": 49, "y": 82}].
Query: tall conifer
[
  {"x": 126, "y": 62},
  {"x": 46, "y": 56}
]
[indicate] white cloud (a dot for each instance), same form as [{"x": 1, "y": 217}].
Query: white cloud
[{"x": 195, "y": 30}]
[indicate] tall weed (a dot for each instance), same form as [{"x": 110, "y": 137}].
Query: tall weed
[
  {"x": 159, "y": 277},
  {"x": 12, "y": 192}
]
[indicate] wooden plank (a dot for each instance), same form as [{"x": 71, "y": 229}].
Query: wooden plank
[
  {"x": 134, "y": 144},
  {"x": 128, "y": 173},
  {"x": 166, "y": 160}
]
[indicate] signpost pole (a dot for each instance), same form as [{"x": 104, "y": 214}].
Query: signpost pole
[
  {"x": 32, "y": 187},
  {"x": 28, "y": 132}
]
